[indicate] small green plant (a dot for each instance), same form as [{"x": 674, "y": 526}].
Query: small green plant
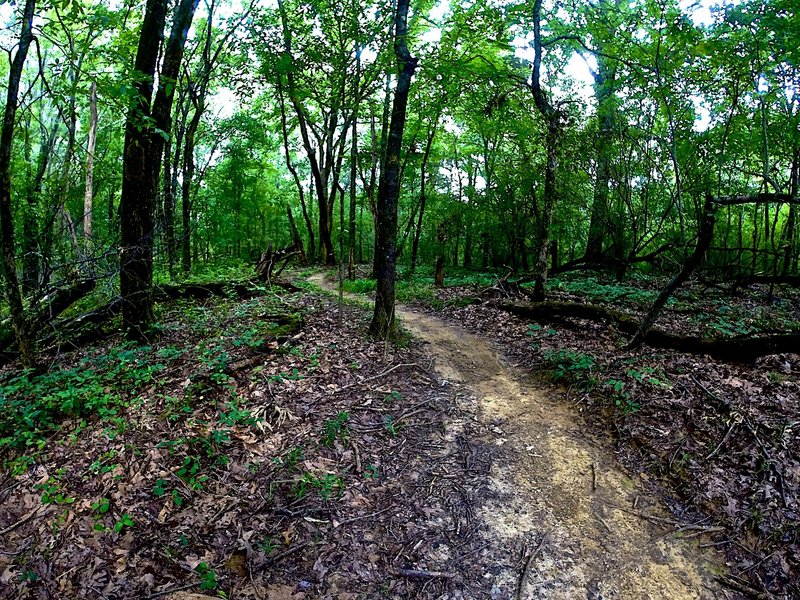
[
  {"x": 371, "y": 472},
  {"x": 293, "y": 376},
  {"x": 208, "y": 579},
  {"x": 326, "y": 485},
  {"x": 290, "y": 460},
  {"x": 124, "y": 521},
  {"x": 622, "y": 398},
  {"x": 189, "y": 473},
  {"x": 101, "y": 506},
  {"x": 51, "y": 492},
  {"x": 267, "y": 545},
  {"x": 393, "y": 396},
  {"x": 390, "y": 425},
  {"x": 234, "y": 416},
  {"x": 572, "y": 367},
  {"x": 335, "y": 428}
]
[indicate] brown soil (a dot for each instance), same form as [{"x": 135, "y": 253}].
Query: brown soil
[{"x": 588, "y": 527}]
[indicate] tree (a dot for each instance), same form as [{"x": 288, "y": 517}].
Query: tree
[
  {"x": 19, "y": 323},
  {"x": 383, "y": 319},
  {"x": 145, "y": 127},
  {"x": 554, "y": 123}
]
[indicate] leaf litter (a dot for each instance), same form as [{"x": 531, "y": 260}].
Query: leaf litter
[{"x": 212, "y": 479}]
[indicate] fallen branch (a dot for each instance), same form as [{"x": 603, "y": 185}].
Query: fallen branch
[{"x": 738, "y": 349}]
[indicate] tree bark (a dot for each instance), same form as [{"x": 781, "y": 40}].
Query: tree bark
[
  {"x": 383, "y": 319},
  {"x": 19, "y": 322},
  {"x": 88, "y": 196},
  {"x": 144, "y": 148},
  {"x": 423, "y": 197},
  {"x": 552, "y": 117},
  {"x": 739, "y": 349},
  {"x": 604, "y": 82}
]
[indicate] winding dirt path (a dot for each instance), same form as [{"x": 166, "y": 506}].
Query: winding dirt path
[{"x": 560, "y": 489}]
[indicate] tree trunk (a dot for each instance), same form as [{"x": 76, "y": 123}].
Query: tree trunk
[
  {"x": 351, "y": 238},
  {"x": 704, "y": 237},
  {"x": 552, "y": 118},
  {"x": 604, "y": 83},
  {"x": 293, "y": 171},
  {"x": 383, "y": 319},
  {"x": 144, "y": 147},
  {"x": 88, "y": 195},
  {"x": 423, "y": 197},
  {"x": 19, "y": 323}
]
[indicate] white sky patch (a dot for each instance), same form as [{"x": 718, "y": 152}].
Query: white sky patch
[
  {"x": 699, "y": 11},
  {"x": 576, "y": 68},
  {"x": 224, "y": 103},
  {"x": 702, "y": 116}
]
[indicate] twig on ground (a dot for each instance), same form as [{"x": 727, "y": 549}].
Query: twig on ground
[
  {"x": 360, "y": 517},
  {"x": 374, "y": 377},
  {"x": 177, "y": 588},
  {"x": 422, "y": 574},
  {"x": 283, "y": 555},
  {"x": 526, "y": 568},
  {"x": 594, "y": 478},
  {"x": 716, "y": 450},
  {"x": 22, "y": 521}
]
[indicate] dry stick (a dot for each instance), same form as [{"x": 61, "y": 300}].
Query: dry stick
[
  {"x": 594, "y": 478},
  {"x": 356, "y": 455},
  {"x": 524, "y": 574},
  {"x": 381, "y": 374},
  {"x": 422, "y": 574},
  {"x": 716, "y": 450},
  {"x": 22, "y": 521},
  {"x": 369, "y": 516},
  {"x": 677, "y": 524},
  {"x": 283, "y": 555},
  {"x": 172, "y": 590}
]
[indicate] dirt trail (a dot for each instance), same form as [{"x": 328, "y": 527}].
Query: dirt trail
[{"x": 559, "y": 489}]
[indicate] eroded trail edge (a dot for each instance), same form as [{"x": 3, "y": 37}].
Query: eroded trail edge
[{"x": 558, "y": 497}]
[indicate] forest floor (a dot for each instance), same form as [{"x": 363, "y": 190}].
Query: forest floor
[{"x": 264, "y": 449}]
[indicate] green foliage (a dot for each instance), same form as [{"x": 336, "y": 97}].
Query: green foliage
[
  {"x": 390, "y": 425},
  {"x": 291, "y": 459},
  {"x": 208, "y": 578},
  {"x": 124, "y": 521},
  {"x": 326, "y": 485},
  {"x": 335, "y": 428},
  {"x": 573, "y": 367}
]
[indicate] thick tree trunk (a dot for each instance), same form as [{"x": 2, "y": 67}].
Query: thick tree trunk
[
  {"x": 144, "y": 148},
  {"x": 137, "y": 203},
  {"x": 383, "y": 319},
  {"x": 19, "y": 323}
]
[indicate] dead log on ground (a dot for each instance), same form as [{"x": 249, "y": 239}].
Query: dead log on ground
[{"x": 738, "y": 349}]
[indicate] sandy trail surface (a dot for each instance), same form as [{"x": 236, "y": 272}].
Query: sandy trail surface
[{"x": 557, "y": 491}]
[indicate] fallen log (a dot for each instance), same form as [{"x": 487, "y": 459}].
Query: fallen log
[
  {"x": 739, "y": 349},
  {"x": 87, "y": 327},
  {"x": 50, "y": 307}
]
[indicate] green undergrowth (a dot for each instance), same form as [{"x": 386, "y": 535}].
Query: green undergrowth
[{"x": 106, "y": 381}]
